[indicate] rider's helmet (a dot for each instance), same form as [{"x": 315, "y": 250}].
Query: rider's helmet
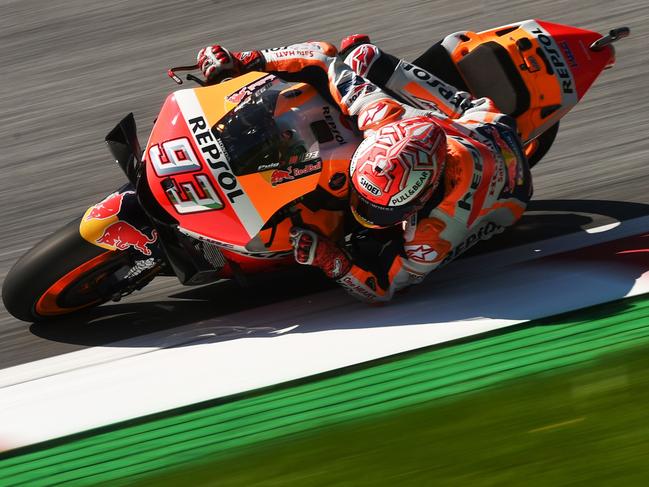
[{"x": 395, "y": 170}]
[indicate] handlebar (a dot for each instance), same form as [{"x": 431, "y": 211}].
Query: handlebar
[{"x": 171, "y": 72}]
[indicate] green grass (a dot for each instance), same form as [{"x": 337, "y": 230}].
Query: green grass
[
  {"x": 586, "y": 425},
  {"x": 559, "y": 401}
]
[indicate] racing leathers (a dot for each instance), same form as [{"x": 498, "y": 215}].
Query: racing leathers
[{"x": 485, "y": 186}]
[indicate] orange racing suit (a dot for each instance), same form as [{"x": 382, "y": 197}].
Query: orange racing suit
[{"x": 486, "y": 184}]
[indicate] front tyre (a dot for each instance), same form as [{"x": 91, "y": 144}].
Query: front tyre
[{"x": 61, "y": 275}]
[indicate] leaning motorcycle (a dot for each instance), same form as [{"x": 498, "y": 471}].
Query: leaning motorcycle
[{"x": 229, "y": 168}]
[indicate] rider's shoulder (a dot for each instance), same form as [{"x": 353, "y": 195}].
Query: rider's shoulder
[{"x": 326, "y": 48}]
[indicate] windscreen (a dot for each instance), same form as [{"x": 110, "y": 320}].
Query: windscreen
[{"x": 250, "y": 134}]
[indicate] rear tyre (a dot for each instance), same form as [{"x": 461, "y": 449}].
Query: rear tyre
[
  {"x": 61, "y": 275},
  {"x": 543, "y": 144}
]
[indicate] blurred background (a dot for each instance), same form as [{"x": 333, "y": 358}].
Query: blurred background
[{"x": 72, "y": 68}]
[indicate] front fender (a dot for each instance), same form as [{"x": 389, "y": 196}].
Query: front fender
[{"x": 119, "y": 223}]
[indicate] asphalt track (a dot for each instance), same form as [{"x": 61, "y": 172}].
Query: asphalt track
[{"x": 72, "y": 69}]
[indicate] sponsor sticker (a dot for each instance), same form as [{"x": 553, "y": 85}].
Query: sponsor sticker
[
  {"x": 570, "y": 57},
  {"x": 363, "y": 57},
  {"x": 356, "y": 288},
  {"x": 109, "y": 206},
  {"x": 139, "y": 267},
  {"x": 485, "y": 232},
  {"x": 369, "y": 186},
  {"x": 445, "y": 92},
  {"x": 421, "y": 253},
  {"x": 553, "y": 54},
  {"x": 326, "y": 113},
  {"x": 296, "y": 171},
  {"x": 216, "y": 158},
  {"x": 122, "y": 235},
  {"x": 411, "y": 191},
  {"x": 218, "y": 163}
]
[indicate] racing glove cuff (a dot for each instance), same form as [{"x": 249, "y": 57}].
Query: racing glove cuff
[{"x": 249, "y": 61}]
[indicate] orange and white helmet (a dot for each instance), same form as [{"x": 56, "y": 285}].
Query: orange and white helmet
[{"x": 395, "y": 170}]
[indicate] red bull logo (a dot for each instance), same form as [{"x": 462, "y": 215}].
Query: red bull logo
[
  {"x": 279, "y": 176},
  {"x": 122, "y": 235},
  {"x": 511, "y": 162},
  {"x": 109, "y": 206}
]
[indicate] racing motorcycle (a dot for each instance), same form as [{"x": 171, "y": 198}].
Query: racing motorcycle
[{"x": 230, "y": 167}]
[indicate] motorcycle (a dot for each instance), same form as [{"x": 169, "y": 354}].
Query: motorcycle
[{"x": 230, "y": 167}]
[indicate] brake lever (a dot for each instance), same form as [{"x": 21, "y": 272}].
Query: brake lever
[
  {"x": 171, "y": 72},
  {"x": 224, "y": 76},
  {"x": 196, "y": 79}
]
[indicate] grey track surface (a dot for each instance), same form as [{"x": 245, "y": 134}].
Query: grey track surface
[{"x": 71, "y": 69}]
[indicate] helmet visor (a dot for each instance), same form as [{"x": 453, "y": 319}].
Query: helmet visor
[{"x": 371, "y": 215}]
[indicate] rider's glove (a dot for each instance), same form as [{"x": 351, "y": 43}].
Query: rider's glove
[
  {"x": 463, "y": 100},
  {"x": 476, "y": 105},
  {"x": 310, "y": 248},
  {"x": 214, "y": 60}
]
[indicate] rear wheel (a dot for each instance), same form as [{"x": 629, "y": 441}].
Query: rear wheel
[
  {"x": 61, "y": 275},
  {"x": 539, "y": 147}
]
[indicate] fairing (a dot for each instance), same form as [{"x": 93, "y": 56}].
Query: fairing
[
  {"x": 553, "y": 61},
  {"x": 584, "y": 64},
  {"x": 228, "y": 197}
]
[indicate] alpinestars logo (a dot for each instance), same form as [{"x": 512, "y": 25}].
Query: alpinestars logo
[
  {"x": 379, "y": 113},
  {"x": 363, "y": 58},
  {"x": 421, "y": 253}
]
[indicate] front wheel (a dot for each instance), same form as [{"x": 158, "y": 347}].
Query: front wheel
[{"x": 61, "y": 275}]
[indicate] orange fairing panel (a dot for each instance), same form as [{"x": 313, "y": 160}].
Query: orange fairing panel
[
  {"x": 273, "y": 189},
  {"x": 553, "y": 60},
  {"x": 325, "y": 222},
  {"x": 190, "y": 173},
  {"x": 188, "y": 170}
]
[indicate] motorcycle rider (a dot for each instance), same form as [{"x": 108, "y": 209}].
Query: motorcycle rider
[{"x": 445, "y": 169}]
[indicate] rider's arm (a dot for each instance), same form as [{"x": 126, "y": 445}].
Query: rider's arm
[
  {"x": 316, "y": 63},
  {"x": 413, "y": 85},
  {"x": 402, "y": 263}
]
